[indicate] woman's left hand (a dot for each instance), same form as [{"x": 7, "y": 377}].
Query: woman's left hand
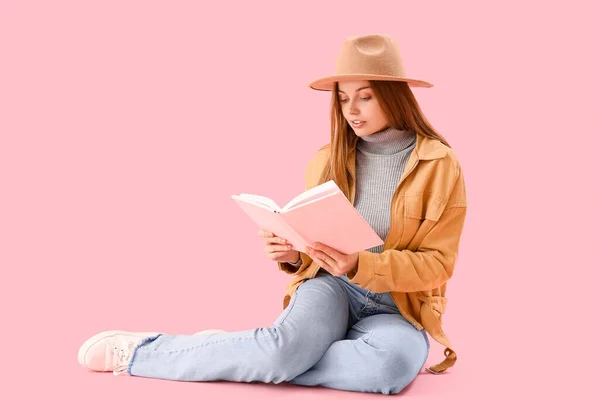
[{"x": 333, "y": 261}]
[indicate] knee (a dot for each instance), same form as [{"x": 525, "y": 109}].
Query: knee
[
  {"x": 325, "y": 283},
  {"x": 395, "y": 372},
  {"x": 294, "y": 353},
  {"x": 290, "y": 361}
]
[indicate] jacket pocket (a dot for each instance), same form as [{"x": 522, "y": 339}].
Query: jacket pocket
[
  {"x": 423, "y": 205},
  {"x": 420, "y": 213}
]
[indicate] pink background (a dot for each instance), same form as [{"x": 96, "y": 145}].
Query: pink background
[{"x": 125, "y": 127}]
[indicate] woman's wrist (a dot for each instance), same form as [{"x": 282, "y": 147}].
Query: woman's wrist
[{"x": 297, "y": 262}]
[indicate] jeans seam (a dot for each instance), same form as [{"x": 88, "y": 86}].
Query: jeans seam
[
  {"x": 337, "y": 279},
  {"x": 208, "y": 343},
  {"x": 290, "y": 306},
  {"x": 365, "y": 331},
  {"x": 366, "y": 340},
  {"x": 360, "y": 313}
]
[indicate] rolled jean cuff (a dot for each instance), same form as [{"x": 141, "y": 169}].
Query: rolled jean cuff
[{"x": 141, "y": 343}]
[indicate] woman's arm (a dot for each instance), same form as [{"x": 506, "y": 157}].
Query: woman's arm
[{"x": 426, "y": 268}]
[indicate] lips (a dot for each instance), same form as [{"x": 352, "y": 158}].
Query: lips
[{"x": 361, "y": 123}]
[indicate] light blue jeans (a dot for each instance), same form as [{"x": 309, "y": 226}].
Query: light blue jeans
[{"x": 332, "y": 333}]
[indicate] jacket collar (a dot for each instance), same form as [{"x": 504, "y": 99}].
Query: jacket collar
[
  {"x": 429, "y": 149},
  {"x": 425, "y": 149}
]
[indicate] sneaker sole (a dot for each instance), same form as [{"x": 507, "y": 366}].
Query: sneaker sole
[{"x": 102, "y": 335}]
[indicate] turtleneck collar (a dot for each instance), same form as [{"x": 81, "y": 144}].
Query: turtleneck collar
[{"x": 386, "y": 142}]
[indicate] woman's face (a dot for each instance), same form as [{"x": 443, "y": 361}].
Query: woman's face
[{"x": 359, "y": 104}]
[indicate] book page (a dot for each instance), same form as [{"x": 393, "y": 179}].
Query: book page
[
  {"x": 260, "y": 200},
  {"x": 271, "y": 221},
  {"x": 317, "y": 192},
  {"x": 310, "y": 200}
]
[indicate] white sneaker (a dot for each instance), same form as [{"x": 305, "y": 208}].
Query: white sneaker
[
  {"x": 110, "y": 350},
  {"x": 209, "y": 332}
]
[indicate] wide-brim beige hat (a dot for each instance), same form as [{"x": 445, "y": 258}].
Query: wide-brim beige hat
[{"x": 369, "y": 57}]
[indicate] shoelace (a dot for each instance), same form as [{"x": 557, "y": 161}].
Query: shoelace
[{"x": 123, "y": 356}]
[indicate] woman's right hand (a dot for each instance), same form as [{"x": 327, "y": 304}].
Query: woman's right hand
[{"x": 278, "y": 249}]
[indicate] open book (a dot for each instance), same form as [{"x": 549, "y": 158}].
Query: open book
[{"x": 321, "y": 214}]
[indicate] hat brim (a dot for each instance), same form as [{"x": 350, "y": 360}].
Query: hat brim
[{"x": 326, "y": 83}]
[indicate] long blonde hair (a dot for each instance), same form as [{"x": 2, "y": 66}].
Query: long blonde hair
[{"x": 402, "y": 111}]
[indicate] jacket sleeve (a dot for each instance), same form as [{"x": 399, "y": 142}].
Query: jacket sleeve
[
  {"x": 290, "y": 269},
  {"x": 426, "y": 268}
]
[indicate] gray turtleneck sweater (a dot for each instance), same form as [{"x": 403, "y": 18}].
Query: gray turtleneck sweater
[{"x": 380, "y": 161}]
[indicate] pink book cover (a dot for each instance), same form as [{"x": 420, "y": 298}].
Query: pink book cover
[{"x": 321, "y": 214}]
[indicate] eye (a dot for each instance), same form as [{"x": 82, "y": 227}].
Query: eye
[{"x": 362, "y": 98}]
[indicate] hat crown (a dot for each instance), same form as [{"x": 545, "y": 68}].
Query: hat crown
[
  {"x": 370, "y": 55},
  {"x": 373, "y": 57}
]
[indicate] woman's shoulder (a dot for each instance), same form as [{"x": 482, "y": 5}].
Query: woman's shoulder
[
  {"x": 326, "y": 148},
  {"x": 322, "y": 155},
  {"x": 316, "y": 164},
  {"x": 451, "y": 158},
  {"x": 451, "y": 162}
]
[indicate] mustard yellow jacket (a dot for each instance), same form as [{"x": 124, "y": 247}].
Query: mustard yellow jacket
[{"x": 427, "y": 215}]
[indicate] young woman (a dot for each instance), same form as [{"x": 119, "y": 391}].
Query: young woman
[{"x": 359, "y": 321}]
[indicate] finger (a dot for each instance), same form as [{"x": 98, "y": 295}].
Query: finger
[
  {"x": 324, "y": 265},
  {"x": 318, "y": 260},
  {"x": 264, "y": 233},
  {"x": 275, "y": 239},
  {"x": 329, "y": 251},
  {"x": 277, "y": 254},
  {"x": 278, "y": 248},
  {"x": 270, "y": 237},
  {"x": 322, "y": 256}
]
